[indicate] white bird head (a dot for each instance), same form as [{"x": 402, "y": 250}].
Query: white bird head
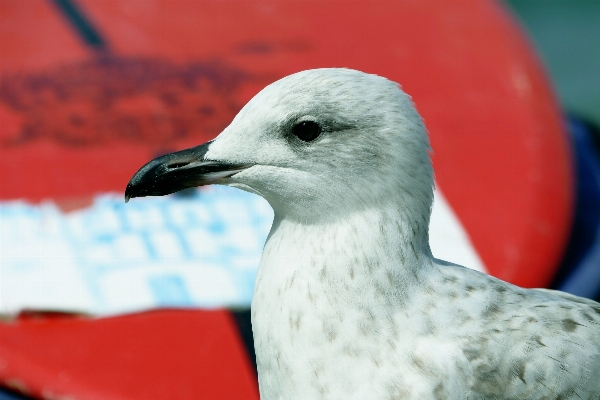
[{"x": 317, "y": 145}]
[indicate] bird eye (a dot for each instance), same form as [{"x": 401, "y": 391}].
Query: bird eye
[{"x": 307, "y": 131}]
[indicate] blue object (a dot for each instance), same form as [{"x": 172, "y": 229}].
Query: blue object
[
  {"x": 6, "y": 394},
  {"x": 579, "y": 273}
]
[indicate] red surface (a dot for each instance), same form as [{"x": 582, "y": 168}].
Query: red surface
[
  {"x": 154, "y": 355},
  {"x": 75, "y": 122}
]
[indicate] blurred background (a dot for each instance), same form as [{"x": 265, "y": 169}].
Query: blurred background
[
  {"x": 106, "y": 300},
  {"x": 564, "y": 35}
]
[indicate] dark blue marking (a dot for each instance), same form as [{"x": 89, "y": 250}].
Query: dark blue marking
[{"x": 82, "y": 25}]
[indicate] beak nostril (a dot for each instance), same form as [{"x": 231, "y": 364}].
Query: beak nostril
[{"x": 177, "y": 165}]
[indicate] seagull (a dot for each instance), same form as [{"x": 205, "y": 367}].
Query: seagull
[{"x": 349, "y": 301}]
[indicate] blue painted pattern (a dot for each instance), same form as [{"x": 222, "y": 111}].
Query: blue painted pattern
[{"x": 197, "y": 250}]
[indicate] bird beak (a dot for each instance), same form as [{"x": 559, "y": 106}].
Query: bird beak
[{"x": 178, "y": 171}]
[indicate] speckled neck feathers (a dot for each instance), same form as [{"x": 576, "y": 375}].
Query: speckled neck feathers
[{"x": 318, "y": 284}]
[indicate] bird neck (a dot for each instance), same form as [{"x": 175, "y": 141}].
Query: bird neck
[{"x": 380, "y": 253}]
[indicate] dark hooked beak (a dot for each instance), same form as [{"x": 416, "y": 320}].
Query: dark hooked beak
[{"x": 177, "y": 171}]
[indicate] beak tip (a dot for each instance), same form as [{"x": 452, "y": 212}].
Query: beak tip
[{"x": 128, "y": 193}]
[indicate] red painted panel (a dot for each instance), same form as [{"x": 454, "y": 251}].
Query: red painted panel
[
  {"x": 166, "y": 354},
  {"x": 75, "y": 121},
  {"x": 175, "y": 73}
]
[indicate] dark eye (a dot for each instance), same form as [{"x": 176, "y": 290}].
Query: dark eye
[{"x": 307, "y": 131}]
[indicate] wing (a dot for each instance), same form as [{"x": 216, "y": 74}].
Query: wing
[
  {"x": 567, "y": 296},
  {"x": 554, "y": 344},
  {"x": 523, "y": 343}
]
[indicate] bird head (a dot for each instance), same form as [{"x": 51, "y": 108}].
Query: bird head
[{"x": 316, "y": 145}]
